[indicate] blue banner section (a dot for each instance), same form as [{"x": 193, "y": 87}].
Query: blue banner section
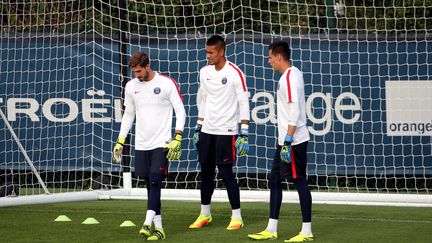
[{"x": 63, "y": 98}]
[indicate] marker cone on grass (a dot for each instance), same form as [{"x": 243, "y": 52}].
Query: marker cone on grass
[
  {"x": 62, "y": 218},
  {"x": 90, "y": 221},
  {"x": 127, "y": 223}
]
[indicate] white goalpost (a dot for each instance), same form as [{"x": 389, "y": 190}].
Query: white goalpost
[{"x": 368, "y": 77}]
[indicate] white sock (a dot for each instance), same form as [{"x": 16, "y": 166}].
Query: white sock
[
  {"x": 149, "y": 217},
  {"x": 272, "y": 225},
  {"x": 205, "y": 210},
  {"x": 157, "y": 220},
  {"x": 236, "y": 213},
  {"x": 307, "y": 228}
]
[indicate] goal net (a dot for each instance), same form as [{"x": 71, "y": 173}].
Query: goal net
[{"x": 367, "y": 71}]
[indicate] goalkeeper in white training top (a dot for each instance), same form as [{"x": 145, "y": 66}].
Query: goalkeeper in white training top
[
  {"x": 151, "y": 97},
  {"x": 290, "y": 159},
  {"x": 224, "y": 102}
]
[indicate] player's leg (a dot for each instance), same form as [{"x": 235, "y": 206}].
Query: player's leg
[
  {"x": 227, "y": 175},
  {"x": 207, "y": 185},
  {"x": 157, "y": 220},
  {"x": 208, "y": 166},
  {"x": 155, "y": 181},
  {"x": 158, "y": 171},
  {"x": 225, "y": 172},
  {"x": 142, "y": 170},
  {"x": 275, "y": 185},
  {"x": 225, "y": 158},
  {"x": 299, "y": 166},
  {"x": 207, "y": 189}
]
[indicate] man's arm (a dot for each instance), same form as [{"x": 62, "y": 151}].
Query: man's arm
[
  {"x": 201, "y": 104},
  {"x": 291, "y": 130},
  {"x": 176, "y": 100},
  {"x": 293, "y": 104},
  {"x": 242, "y": 97},
  {"x": 127, "y": 121},
  {"x": 180, "y": 117},
  {"x": 242, "y": 144},
  {"x": 126, "y": 124},
  {"x": 174, "y": 146},
  {"x": 201, "y": 101}
]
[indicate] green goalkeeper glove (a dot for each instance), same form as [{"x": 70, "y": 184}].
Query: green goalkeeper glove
[
  {"x": 174, "y": 148},
  {"x": 118, "y": 149},
  {"x": 285, "y": 153},
  {"x": 242, "y": 144}
]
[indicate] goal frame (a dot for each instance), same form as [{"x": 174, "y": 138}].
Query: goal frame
[{"x": 339, "y": 185}]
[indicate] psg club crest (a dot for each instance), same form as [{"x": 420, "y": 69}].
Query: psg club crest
[
  {"x": 224, "y": 80},
  {"x": 157, "y": 90}
]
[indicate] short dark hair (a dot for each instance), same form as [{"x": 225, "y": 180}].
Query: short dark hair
[
  {"x": 281, "y": 48},
  {"x": 139, "y": 59},
  {"x": 216, "y": 40}
]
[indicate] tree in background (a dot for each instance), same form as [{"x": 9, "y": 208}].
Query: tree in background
[{"x": 381, "y": 17}]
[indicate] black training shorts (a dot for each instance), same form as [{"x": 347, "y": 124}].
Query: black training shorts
[
  {"x": 216, "y": 149},
  {"x": 151, "y": 161},
  {"x": 298, "y": 166}
]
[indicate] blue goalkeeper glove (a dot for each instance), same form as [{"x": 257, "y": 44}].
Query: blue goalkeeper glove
[
  {"x": 285, "y": 152},
  {"x": 174, "y": 148},
  {"x": 196, "y": 135},
  {"x": 118, "y": 149},
  {"x": 241, "y": 144}
]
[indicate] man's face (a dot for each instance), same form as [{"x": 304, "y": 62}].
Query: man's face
[
  {"x": 141, "y": 72},
  {"x": 215, "y": 54},
  {"x": 273, "y": 60}
]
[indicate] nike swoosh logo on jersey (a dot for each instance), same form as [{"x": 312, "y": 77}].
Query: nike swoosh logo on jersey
[{"x": 136, "y": 92}]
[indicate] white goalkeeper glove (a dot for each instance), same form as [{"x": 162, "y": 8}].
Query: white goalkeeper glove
[
  {"x": 174, "y": 147},
  {"x": 118, "y": 149}
]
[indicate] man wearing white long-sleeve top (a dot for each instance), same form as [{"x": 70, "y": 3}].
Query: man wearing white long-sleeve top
[{"x": 151, "y": 97}]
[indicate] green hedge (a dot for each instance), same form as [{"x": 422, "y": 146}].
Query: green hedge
[{"x": 243, "y": 16}]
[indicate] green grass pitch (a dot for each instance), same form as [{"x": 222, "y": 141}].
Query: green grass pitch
[{"x": 331, "y": 223}]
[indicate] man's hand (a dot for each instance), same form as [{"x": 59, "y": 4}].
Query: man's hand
[
  {"x": 174, "y": 148},
  {"x": 118, "y": 148},
  {"x": 196, "y": 135},
  {"x": 285, "y": 153},
  {"x": 241, "y": 144}
]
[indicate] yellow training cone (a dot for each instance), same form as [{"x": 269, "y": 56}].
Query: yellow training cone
[
  {"x": 90, "y": 221},
  {"x": 62, "y": 218},
  {"x": 127, "y": 223}
]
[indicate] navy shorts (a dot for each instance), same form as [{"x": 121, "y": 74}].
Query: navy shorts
[
  {"x": 151, "y": 161},
  {"x": 216, "y": 149},
  {"x": 294, "y": 170}
]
